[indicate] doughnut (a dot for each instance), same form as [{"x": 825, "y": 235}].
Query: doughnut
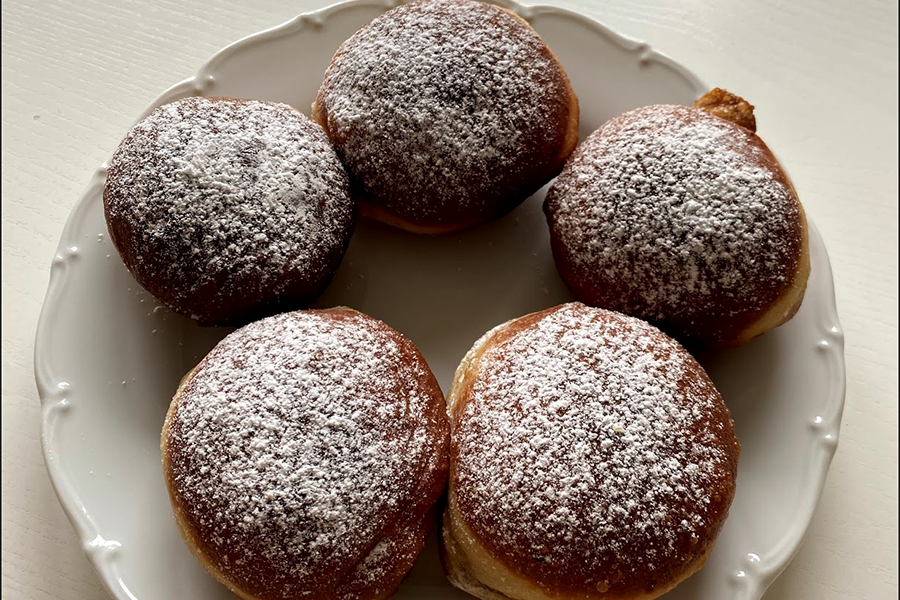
[
  {"x": 683, "y": 218},
  {"x": 304, "y": 456},
  {"x": 227, "y": 210},
  {"x": 447, "y": 114},
  {"x": 591, "y": 458}
]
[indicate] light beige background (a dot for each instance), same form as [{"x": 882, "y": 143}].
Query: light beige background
[{"x": 76, "y": 73}]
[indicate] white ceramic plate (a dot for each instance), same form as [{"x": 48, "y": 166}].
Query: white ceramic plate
[{"x": 107, "y": 357}]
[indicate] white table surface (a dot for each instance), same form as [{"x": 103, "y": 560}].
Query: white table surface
[{"x": 823, "y": 75}]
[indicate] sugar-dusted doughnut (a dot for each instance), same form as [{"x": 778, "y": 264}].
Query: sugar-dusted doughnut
[
  {"x": 304, "y": 456},
  {"x": 591, "y": 458},
  {"x": 227, "y": 210},
  {"x": 683, "y": 218},
  {"x": 447, "y": 113}
]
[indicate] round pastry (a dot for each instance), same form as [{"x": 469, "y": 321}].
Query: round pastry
[
  {"x": 683, "y": 218},
  {"x": 591, "y": 458},
  {"x": 447, "y": 113},
  {"x": 226, "y": 210},
  {"x": 304, "y": 456}
]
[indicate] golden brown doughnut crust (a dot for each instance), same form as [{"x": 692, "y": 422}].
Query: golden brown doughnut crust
[
  {"x": 447, "y": 113},
  {"x": 684, "y": 219},
  {"x": 591, "y": 458},
  {"x": 728, "y": 106},
  {"x": 304, "y": 456}
]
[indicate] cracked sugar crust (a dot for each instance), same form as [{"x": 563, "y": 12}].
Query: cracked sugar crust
[
  {"x": 591, "y": 452},
  {"x": 221, "y": 208},
  {"x": 678, "y": 217},
  {"x": 447, "y": 111},
  {"x": 304, "y": 449}
]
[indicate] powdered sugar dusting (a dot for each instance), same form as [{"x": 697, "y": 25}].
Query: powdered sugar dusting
[
  {"x": 665, "y": 209},
  {"x": 299, "y": 441},
  {"x": 589, "y": 446},
  {"x": 230, "y": 194},
  {"x": 439, "y": 102}
]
